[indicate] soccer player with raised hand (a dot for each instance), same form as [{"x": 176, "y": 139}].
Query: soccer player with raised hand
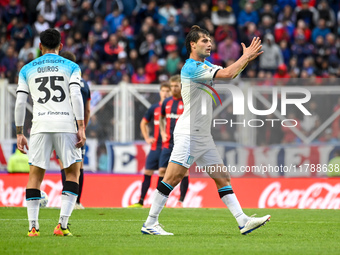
[
  {"x": 193, "y": 141},
  {"x": 54, "y": 85}
]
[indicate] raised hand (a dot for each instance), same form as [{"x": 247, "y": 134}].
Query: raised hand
[{"x": 253, "y": 51}]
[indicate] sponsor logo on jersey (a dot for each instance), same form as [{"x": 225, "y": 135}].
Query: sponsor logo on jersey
[{"x": 173, "y": 116}]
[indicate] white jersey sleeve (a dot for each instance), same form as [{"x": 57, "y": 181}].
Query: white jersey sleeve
[{"x": 203, "y": 72}]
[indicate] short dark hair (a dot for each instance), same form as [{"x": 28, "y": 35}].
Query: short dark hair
[
  {"x": 50, "y": 38},
  {"x": 194, "y": 36},
  {"x": 68, "y": 55}
]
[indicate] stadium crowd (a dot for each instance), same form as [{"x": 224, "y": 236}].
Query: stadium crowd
[{"x": 142, "y": 41}]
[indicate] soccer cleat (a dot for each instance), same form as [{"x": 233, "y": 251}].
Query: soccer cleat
[
  {"x": 33, "y": 232},
  {"x": 59, "y": 231},
  {"x": 136, "y": 205},
  {"x": 78, "y": 206},
  {"x": 155, "y": 230},
  {"x": 254, "y": 223}
]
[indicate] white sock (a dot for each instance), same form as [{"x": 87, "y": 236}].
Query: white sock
[
  {"x": 157, "y": 205},
  {"x": 68, "y": 201},
  {"x": 230, "y": 200},
  {"x": 33, "y": 213}
]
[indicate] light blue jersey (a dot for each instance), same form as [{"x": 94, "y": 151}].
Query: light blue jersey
[
  {"x": 196, "y": 77},
  {"x": 47, "y": 79}
]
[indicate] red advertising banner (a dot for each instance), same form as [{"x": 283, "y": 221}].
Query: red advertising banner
[{"x": 106, "y": 190}]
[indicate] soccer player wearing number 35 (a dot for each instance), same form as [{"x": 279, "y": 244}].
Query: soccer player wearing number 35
[
  {"x": 192, "y": 136},
  {"x": 54, "y": 85}
]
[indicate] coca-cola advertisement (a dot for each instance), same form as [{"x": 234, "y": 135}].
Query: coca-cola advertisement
[{"x": 107, "y": 190}]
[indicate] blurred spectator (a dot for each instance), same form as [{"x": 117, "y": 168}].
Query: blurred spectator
[
  {"x": 272, "y": 55},
  {"x": 20, "y": 33},
  {"x": 92, "y": 72},
  {"x": 307, "y": 13},
  {"x": 140, "y": 76},
  {"x": 8, "y": 65},
  {"x": 282, "y": 72},
  {"x": 284, "y": 31},
  {"x": 332, "y": 49},
  {"x": 228, "y": 50},
  {"x": 128, "y": 32},
  {"x": 173, "y": 62},
  {"x": 150, "y": 47},
  {"x": 48, "y": 9},
  {"x": 85, "y": 18},
  {"x": 63, "y": 25},
  {"x": 135, "y": 59},
  {"x": 149, "y": 10},
  {"x": 302, "y": 49},
  {"x": 26, "y": 50},
  {"x": 310, "y": 3},
  {"x": 186, "y": 17},
  {"x": 12, "y": 10},
  {"x": 287, "y": 14},
  {"x": 256, "y": 5},
  {"x": 249, "y": 33},
  {"x": 40, "y": 25},
  {"x": 172, "y": 28},
  {"x": 225, "y": 31},
  {"x": 266, "y": 26},
  {"x": 208, "y": 25},
  {"x": 247, "y": 15},
  {"x": 99, "y": 31},
  {"x": 3, "y": 28},
  {"x": 162, "y": 74},
  {"x": 267, "y": 11},
  {"x": 166, "y": 11},
  {"x": 203, "y": 12},
  {"x": 131, "y": 7},
  {"x": 286, "y": 52},
  {"x": 92, "y": 49},
  {"x": 31, "y": 10},
  {"x": 302, "y": 29},
  {"x": 326, "y": 13},
  {"x": 308, "y": 65},
  {"x": 222, "y": 14},
  {"x": 104, "y": 7},
  {"x": 151, "y": 69},
  {"x": 112, "y": 48},
  {"x": 114, "y": 20},
  {"x": 124, "y": 65},
  {"x": 320, "y": 30}
]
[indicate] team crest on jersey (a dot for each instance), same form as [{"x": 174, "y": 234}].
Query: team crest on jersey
[
  {"x": 205, "y": 67},
  {"x": 180, "y": 107}
]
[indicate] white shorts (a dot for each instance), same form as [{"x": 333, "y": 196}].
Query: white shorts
[
  {"x": 41, "y": 146},
  {"x": 189, "y": 149}
]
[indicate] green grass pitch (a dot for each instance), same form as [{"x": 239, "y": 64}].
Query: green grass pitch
[{"x": 197, "y": 231}]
